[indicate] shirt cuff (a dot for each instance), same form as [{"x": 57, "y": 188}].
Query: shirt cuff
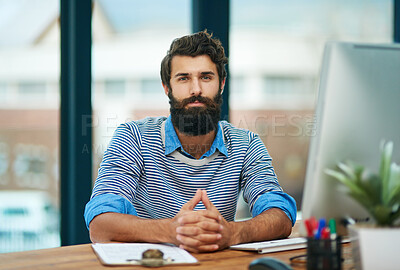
[
  {"x": 107, "y": 203},
  {"x": 276, "y": 199}
]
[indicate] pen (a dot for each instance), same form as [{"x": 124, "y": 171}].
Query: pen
[
  {"x": 325, "y": 233},
  {"x": 332, "y": 228},
  {"x": 314, "y": 224},
  {"x": 322, "y": 223},
  {"x": 309, "y": 228}
]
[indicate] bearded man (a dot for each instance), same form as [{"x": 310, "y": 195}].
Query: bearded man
[{"x": 176, "y": 179}]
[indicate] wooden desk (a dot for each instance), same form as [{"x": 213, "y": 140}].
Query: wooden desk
[{"x": 83, "y": 257}]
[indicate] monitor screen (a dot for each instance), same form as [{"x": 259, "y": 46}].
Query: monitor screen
[{"x": 358, "y": 107}]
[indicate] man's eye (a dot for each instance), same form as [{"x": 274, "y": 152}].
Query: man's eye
[
  {"x": 182, "y": 79},
  {"x": 206, "y": 78}
]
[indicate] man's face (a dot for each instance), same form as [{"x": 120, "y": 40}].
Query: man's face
[{"x": 195, "y": 96}]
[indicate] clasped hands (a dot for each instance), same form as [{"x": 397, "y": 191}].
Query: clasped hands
[{"x": 203, "y": 230}]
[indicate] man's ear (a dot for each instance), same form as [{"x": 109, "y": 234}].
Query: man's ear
[
  {"x": 223, "y": 85},
  {"x": 166, "y": 89}
]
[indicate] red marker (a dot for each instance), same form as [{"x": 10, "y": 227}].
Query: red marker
[
  {"x": 314, "y": 223},
  {"x": 309, "y": 228},
  {"x": 325, "y": 234}
]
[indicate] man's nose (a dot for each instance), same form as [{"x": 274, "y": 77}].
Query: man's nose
[{"x": 195, "y": 88}]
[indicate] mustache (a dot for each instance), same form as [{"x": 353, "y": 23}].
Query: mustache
[{"x": 207, "y": 101}]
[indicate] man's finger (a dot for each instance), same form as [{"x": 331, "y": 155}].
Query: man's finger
[
  {"x": 205, "y": 248},
  {"x": 203, "y": 227},
  {"x": 206, "y": 201},
  {"x": 190, "y": 205},
  {"x": 200, "y": 240},
  {"x": 188, "y": 241},
  {"x": 211, "y": 226},
  {"x": 199, "y": 216},
  {"x": 192, "y": 250}
]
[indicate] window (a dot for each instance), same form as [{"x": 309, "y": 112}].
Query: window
[
  {"x": 276, "y": 50},
  {"x": 3, "y": 91},
  {"x": 31, "y": 90},
  {"x": 130, "y": 38},
  {"x": 29, "y": 113},
  {"x": 114, "y": 88},
  {"x": 152, "y": 87}
]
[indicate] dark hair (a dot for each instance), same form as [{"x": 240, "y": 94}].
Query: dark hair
[{"x": 201, "y": 43}]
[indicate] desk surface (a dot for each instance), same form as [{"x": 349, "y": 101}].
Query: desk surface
[{"x": 83, "y": 257}]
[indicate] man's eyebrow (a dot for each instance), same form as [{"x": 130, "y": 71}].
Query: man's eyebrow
[
  {"x": 187, "y": 74},
  {"x": 207, "y": 73},
  {"x": 181, "y": 74}
]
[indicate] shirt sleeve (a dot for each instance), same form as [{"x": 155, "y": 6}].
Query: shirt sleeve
[
  {"x": 118, "y": 175},
  {"x": 261, "y": 189},
  {"x": 276, "y": 199},
  {"x": 107, "y": 203}
]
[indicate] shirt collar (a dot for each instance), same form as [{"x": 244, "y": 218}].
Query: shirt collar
[{"x": 172, "y": 142}]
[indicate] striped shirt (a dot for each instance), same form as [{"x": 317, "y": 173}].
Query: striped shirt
[{"x": 145, "y": 172}]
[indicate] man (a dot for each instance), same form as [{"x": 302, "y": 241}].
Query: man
[{"x": 177, "y": 179}]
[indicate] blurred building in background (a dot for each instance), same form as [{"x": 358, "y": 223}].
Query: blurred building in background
[{"x": 275, "y": 54}]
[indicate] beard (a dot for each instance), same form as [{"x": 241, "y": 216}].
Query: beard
[{"x": 195, "y": 121}]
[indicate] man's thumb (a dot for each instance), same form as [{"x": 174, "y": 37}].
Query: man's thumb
[
  {"x": 206, "y": 201},
  {"x": 190, "y": 205}
]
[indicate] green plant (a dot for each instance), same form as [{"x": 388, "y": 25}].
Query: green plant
[{"x": 379, "y": 193}]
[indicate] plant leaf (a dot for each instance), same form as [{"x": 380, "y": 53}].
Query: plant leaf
[
  {"x": 357, "y": 192},
  {"x": 394, "y": 195},
  {"x": 345, "y": 180},
  {"x": 394, "y": 179},
  {"x": 381, "y": 214},
  {"x": 348, "y": 170},
  {"x": 372, "y": 185},
  {"x": 394, "y": 184},
  {"x": 363, "y": 199},
  {"x": 384, "y": 171}
]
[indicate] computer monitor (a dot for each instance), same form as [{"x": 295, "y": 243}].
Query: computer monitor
[{"x": 358, "y": 106}]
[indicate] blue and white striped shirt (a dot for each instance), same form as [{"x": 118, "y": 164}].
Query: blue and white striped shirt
[{"x": 144, "y": 172}]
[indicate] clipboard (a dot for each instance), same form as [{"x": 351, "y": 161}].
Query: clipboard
[{"x": 131, "y": 253}]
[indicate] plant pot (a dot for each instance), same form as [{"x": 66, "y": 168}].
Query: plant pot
[{"x": 375, "y": 247}]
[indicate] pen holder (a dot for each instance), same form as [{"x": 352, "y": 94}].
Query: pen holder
[{"x": 324, "y": 254}]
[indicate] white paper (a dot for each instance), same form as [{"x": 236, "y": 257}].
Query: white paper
[
  {"x": 127, "y": 253},
  {"x": 271, "y": 244}
]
